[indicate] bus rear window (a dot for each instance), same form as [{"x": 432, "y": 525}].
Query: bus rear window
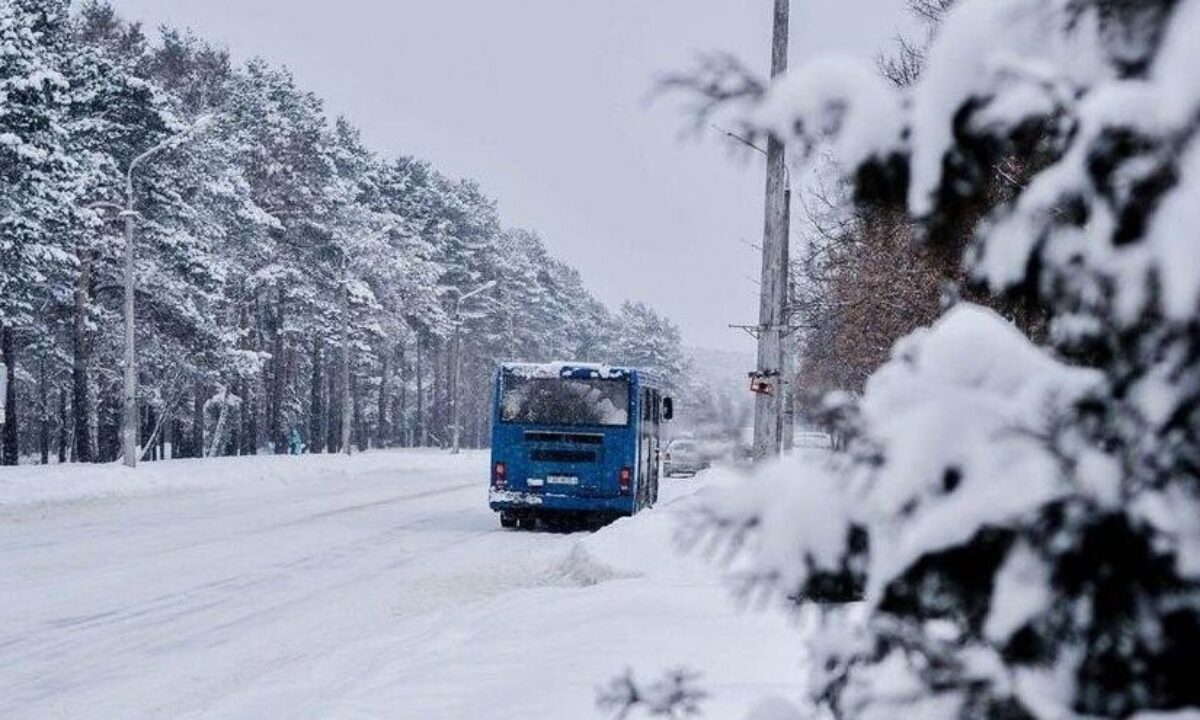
[{"x": 564, "y": 401}]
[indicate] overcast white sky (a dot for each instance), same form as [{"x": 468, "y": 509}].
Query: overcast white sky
[{"x": 543, "y": 102}]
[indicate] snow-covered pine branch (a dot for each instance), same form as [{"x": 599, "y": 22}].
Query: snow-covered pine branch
[{"x": 1032, "y": 547}]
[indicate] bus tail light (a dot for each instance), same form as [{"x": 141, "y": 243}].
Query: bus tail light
[
  {"x": 500, "y": 476},
  {"x": 626, "y": 479}
]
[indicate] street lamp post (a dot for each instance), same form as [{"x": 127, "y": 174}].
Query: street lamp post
[
  {"x": 129, "y": 447},
  {"x": 455, "y": 397}
]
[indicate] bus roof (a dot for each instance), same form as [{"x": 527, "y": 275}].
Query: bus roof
[{"x": 581, "y": 370}]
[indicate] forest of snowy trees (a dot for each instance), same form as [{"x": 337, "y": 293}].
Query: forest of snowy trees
[{"x": 282, "y": 267}]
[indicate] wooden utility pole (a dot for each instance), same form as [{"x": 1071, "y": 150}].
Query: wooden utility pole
[{"x": 768, "y": 406}]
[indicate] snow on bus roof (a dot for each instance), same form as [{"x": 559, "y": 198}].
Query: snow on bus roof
[{"x": 566, "y": 369}]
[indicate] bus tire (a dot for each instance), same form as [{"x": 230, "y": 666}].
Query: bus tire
[
  {"x": 507, "y": 521},
  {"x": 528, "y": 523}
]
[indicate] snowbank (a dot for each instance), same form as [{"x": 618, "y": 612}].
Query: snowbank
[
  {"x": 34, "y": 485},
  {"x": 623, "y": 597}
]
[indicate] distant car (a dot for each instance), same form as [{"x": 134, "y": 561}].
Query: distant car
[{"x": 684, "y": 457}]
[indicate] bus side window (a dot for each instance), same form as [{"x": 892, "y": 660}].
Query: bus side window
[
  {"x": 655, "y": 400},
  {"x": 646, "y": 405}
]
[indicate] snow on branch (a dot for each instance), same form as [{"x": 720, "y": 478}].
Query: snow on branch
[
  {"x": 840, "y": 101},
  {"x": 675, "y": 696}
]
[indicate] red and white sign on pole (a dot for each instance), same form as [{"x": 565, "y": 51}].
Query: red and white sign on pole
[{"x": 761, "y": 384}]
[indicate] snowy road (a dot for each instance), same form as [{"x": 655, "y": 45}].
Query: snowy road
[{"x": 374, "y": 587}]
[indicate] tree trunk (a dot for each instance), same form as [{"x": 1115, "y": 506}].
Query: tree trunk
[
  {"x": 197, "y": 449},
  {"x": 447, "y": 423},
  {"x": 316, "y": 409},
  {"x": 454, "y": 391},
  {"x": 153, "y": 429},
  {"x": 81, "y": 351},
  {"x": 235, "y": 426},
  {"x": 406, "y": 439},
  {"x": 146, "y": 451},
  {"x": 43, "y": 413},
  {"x": 92, "y": 393},
  {"x": 347, "y": 400},
  {"x": 278, "y": 380},
  {"x": 250, "y": 406},
  {"x": 333, "y": 427},
  {"x": 422, "y": 435},
  {"x": 246, "y": 432},
  {"x": 62, "y": 425},
  {"x": 10, "y": 445},
  {"x": 436, "y": 431},
  {"x": 219, "y": 431},
  {"x": 441, "y": 385},
  {"x": 382, "y": 431},
  {"x": 400, "y": 429},
  {"x": 362, "y": 434},
  {"x": 436, "y": 415},
  {"x": 108, "y": 430},
  {"x": 291, "y": 377}
]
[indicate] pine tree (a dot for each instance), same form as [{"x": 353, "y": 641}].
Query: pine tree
[
  {"x": 646, "y": 339},
  {"x": 35, "y": 175}
]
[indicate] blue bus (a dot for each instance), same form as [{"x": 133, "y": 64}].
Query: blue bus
[{"x": 574, "y": 443}]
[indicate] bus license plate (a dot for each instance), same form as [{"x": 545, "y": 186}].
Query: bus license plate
[{"x": 561, "y": 480}]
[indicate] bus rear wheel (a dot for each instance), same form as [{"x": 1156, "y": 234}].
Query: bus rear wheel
[
  {"x": 507, "y": 521},
  {"x": 528, "y": 523}
]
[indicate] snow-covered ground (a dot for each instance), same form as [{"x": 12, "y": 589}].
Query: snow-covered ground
[{"x": 378, "y": 586}]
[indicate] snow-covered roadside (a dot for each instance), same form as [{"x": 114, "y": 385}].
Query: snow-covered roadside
[
  {"x": 36, "y": 485},
  {"x": 374, "y": 587},
  {"x": 621, "y": 598}
]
